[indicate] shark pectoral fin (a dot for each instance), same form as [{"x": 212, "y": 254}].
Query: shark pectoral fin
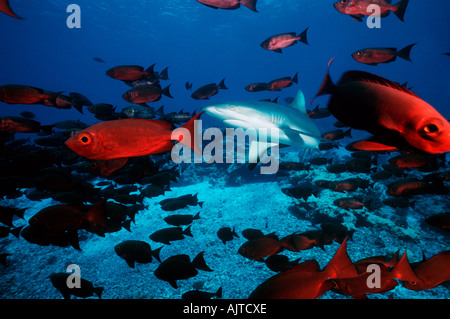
[
  {"x": 257, "y": 151},
  {"x": 294, "y": 136}
]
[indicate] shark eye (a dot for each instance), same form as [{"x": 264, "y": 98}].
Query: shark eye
[{"x": 232, "y": 107}]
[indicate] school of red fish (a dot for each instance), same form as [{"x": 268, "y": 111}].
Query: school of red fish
[{"x": 130, "y": 147}]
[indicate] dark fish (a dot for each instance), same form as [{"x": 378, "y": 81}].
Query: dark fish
[
  {"x": 318, "y": 113},
  {"x": 6, "y": 8},
  {"x": 180, "y": 267},
  {"x": 441, "y": 220},
  {"x": 229, "y": 4},
  {"x": 206, "y": 91},
  {"x": 141, "y": 112},
  {"x": 28, "y": 115},
  {"x": 97, "y": 59},
  {"x": 256, "y": 87},
  {"x": 22, "y": 125},
  {"x": 166, "y": 235},
  {"x": 337, "y": 134},
  {"x": 8, "y": 214},
  {"x": 146, "y": 93},
  {"x": 86, "y": 289},
  {"x": 277, "y": 42},
  {"x": 5, "y": 231},
  {"x": 337, "y": 231},
  {"x": 252, "y": 233},
  {"x": 294, "y": 166},
  {"x": 279, "y": 263},
  {"x": 302, "y": 191},
  {"x": 282, "y": 83},
  {"x": 389, "y": 112},
  {"x": 136, "y": 251},
  {"x": 176, "y": 117},
  {"x": 178, "y": 220},
  {"x": 201, "y": 295},
  {"x": 172, "y": 204},
  {"x": 347, "y": 185},
  {"x": 188, "y": 86},
  {"x": 375, "y": 56},
  {"x": 79, "y": 100},
  {"x": 398, "y": 202},
  {"x": 357, "y": 9},
  {"x": 103, "y": 111},
  {"x": 226, "y": 234}
]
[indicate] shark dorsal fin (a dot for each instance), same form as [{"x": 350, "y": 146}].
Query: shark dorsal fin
[{"x": 299, "y": 102}]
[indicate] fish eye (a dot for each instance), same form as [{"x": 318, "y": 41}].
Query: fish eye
[
  {"x": 33, "y": 221},
  {"x": 232, "y": 107},
  {"x": 84, "y": 139},
  {"x": 431, "y": 129},
  {"x": 344, "y": 1}
]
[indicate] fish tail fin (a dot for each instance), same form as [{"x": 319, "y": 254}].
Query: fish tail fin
[
  {"x": 155, "y": 253},
  {"x": 6, "y": 8},
  {"x": 403, "y": 270},
  {"x": 406, "y": 52},
  {"x": 219, "y": 293},
  {"x": 400, "y": 9},
  {"x": 340, "y": 266},
  {"x": 251, "y": 4},
  {"x": 294, "y": 79},
  {"x": 222, "y": 85},
  {"x": 150, "y": 72},
  {"x": 97, "y": 214},
  {"x": 47, "y": 129},
  {"x": 98, "y": 291},
  {"x": 188, "y": 232},
  {"x": 164, "y": 75},
  {"x": 200, "y": 263},
  {"x": 78, "y": 107},
  {"x": 192, "y": 132},
  {"x": 327, "y": 84},
  {"x": 166, "y": 91},
  {"x": 303, "y": 36}
]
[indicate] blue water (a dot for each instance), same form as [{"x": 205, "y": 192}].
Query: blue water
[{"x": 202, "y": 45}]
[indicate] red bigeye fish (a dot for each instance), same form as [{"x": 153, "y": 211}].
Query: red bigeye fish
[
  {"x": 282, "y": 83},
  {"x": 146, "y": 93},
  {"x": 357, "y": 286},
  {"x": 306, "y": 280},
  {"x": 284, "y": 40},
  {"x": 375, "y": 56},
  {"x": 357, "y": 9},
  {"x": 22, "y": 125},
  {"x": 6, "y": 8},
  {"x": 21, "y": 94},
  {"x": 396, "y": 117},
  {"x": 229, "y": 4},
  {"x": 432, "y": 272},
  {"x": 129, "y": 138},
  {"x": 129, "y": 72}
]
